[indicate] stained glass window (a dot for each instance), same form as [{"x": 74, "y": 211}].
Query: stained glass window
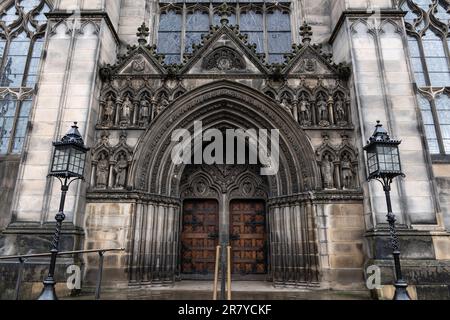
[
  {"x": 267, "y": 25},
  {"x": 427, "y": 25},
  {"x": 22, "y": 34}
]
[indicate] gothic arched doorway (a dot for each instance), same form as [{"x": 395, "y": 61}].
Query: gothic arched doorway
[{"x": 165, "y": 187}]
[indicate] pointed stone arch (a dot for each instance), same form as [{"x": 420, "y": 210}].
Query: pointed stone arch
[{"x": 152, "y": 168}]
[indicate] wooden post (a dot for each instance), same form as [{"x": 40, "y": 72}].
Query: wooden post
[
  {"x": 229, "y": 272},
  {"x": 216, "y": 273}
]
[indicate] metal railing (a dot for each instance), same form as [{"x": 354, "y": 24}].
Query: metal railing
[{"x": 23, "y": 259}]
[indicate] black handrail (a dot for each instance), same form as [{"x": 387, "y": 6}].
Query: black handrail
[{"x": 23, "y": 258}]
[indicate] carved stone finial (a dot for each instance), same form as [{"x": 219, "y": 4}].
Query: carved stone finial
[
  {"x": 143, "y": 33},
  {"x": 225, "y": 11},
  {"x": 306, "y": 33}
]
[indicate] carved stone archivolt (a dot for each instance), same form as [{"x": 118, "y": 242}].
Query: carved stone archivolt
[
  {"x": 338, "y": 165},
  {"x": 110, "y": 167}
]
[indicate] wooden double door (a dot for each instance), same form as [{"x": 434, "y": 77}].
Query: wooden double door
[{"x": 246, "y": 233}]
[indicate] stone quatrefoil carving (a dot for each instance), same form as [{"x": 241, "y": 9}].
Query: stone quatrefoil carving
[{"x": 224, "y": 59}]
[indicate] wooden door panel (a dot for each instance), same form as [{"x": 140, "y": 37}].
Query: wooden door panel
[
  {"x": 199, "y": 241},
  {"x": 248, "y": 237}
]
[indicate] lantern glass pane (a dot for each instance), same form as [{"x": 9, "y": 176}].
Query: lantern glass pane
[
  {"x": 60, "y": 160},
  {"x": 77, "y": 162},
  {"x": 389, "y": 158},
  {"x": 372, "y": 162}
]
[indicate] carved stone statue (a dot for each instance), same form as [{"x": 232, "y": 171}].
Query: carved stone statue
[
  {"x": 127, "y": 109},
  {"x": 322, "y": 108},
  {"x": 108, "y": 112},
  {"x": 120, "y": 169},
  {"x": 328, "y": 172},
  {"x": 102, "y": 172},
  {"x": 341, "y": 115},
  {"x": 305, "y": 112},
  {"x": 144, "y": 115},
  {"x": 163, "y": 103},
  {"x": 347, "y": 173},
  {"x": 286, "y": 105}
]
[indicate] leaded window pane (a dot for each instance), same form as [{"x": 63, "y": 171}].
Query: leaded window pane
[
  {"x": 34, "y": 62},
  {"x": 271, "y": 35},
  {"x": 279, "y": 42},
  {"x": 7, "y": 114},
  {"x": 278, "y": 21},
  {"x": 16, "y": 61},
  {"x": 29, "y": 5},
  {"x": 420, "y": 79},
  {"x": 440, "y": 79},
  {"x": 10, "y": 16},
  {"x": 414, "y": 50},
  {"x": 443, "y": 111},
  {"x": 427, "y": 42},
  {"x": 279, "y": 35},
  {"x": 170, "y": 21},
  {"x": 258, "y": 39},
  {"x": 423, "y": 4},
  {"x": 197, "y": 24},
  {"x": 19, "y": 67},
  {"x": 251, "y": 21},
  {"x": 197, "y": 21},
  {"x": 40, "y": 17}
]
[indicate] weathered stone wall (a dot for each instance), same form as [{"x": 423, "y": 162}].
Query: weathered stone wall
[
  {"x": 108, "y": 226},
  {"x": 341, "y": 231}
]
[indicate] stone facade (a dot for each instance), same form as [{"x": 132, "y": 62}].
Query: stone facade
[{"x": 325, "y": 223}]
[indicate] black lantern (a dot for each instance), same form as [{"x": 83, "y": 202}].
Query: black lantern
[
  {"x": 383, "y": 156},
  {"x": 69, "y": 159},
  {"x": 383, "y": 163}
]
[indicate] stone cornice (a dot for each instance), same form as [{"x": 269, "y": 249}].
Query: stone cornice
[
  {"x": 130, "y": 196},
  {"x": 92, "y": 14},
  {"x": 319, "y": 197},
  {"x": 362, "y": 14}
]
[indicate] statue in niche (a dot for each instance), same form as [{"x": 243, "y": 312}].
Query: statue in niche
[
  {"x": 163, "y": 103},
  {"x": 341, "y": 115},
  {"x": 108, "y": 112},
  {"x": 327, "y": 172},
  {"x": 322, "y": 108},
  {"x": 286, "y": 105},
  {"x": 102, "y": 172},
  {"x": 127, "y": 109},
  {"x": 305, "y": 112},
  {"x": 347, "y": 173},
  {"x": 120, "y": 169},
  {"x": 144, "y": 115}
]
